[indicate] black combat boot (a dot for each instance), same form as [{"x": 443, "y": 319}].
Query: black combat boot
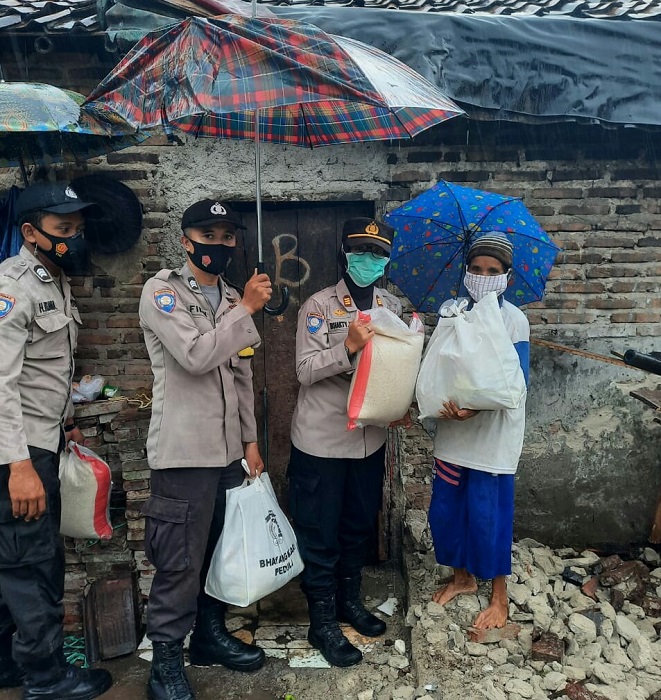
[
  {"x": 325, "y": 634},
  {"x": 11, "y": 674},
  {"x": 212, "y": 645},
  {"x": 54, "y": 679},
  {"x": 168, "y": 679},
  {"x": 350, "y": 608}
]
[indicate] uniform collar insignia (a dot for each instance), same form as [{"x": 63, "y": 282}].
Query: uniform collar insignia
[
  {"x": 378, "y": 301},
  {"x": 192, "y": 283},
  {"x": 347, "y": 300},
  {"x": 42, "y": 273}
]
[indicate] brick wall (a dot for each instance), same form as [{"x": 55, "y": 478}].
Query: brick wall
[{"x": 595, "y": 190}]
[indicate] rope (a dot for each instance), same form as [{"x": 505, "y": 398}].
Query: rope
[
  {"x": 582, "y": 353},
  {"x": 142, "y": 400},
  {"x": 74, "y": 651}
]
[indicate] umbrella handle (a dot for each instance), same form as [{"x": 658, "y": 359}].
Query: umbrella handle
[{"x": 284, "y": 297}]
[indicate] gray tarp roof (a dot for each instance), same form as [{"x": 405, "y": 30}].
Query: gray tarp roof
[{"x": 511, "y": 68}]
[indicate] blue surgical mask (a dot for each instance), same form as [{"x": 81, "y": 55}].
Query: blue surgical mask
[{"x": 365, "y": 268}]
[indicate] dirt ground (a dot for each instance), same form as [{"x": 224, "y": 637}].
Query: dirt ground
[{"x": 280, "y": 626}]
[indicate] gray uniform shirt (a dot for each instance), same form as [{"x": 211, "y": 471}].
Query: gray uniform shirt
[
  {"x": 319, "y": 424},
  {"x": 38, "y": 334},
  {"x": 203, "y": 402}
]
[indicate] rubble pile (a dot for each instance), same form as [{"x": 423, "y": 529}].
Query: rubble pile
[{"x": 582, "y": 627}]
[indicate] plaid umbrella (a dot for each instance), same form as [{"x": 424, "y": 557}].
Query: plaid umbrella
[
  {"x": 207, "y": 77},
  {"x": 269, "y": 80},
  {"x": 43, "y": 124}
]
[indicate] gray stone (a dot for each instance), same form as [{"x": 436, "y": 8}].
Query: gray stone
[
  {"x": 614, "y": 654},
  {"x": 626, "y": 628},
  {"x": 548, "y": 562},
  {"x": 608, "y": 673},
  {"x": 574, "y": 673},
  {"x": 640, "y": 652},
  {"x": 490, "y": 692},
  {"x": 399, "y": 662},
  {"x": 498, "y": 656},
  {"x": 583, "y": 628},
  {"x": 514, "y": 685},
  {"x": 400, "y": 646},
  {"x": 404, "y": 692},
  {"x": 366, "y": 694},
  {"x": 554, "y": 681},
  {"x": 607, "y": 610},
  {"x": 518, "y": 593},
  {"x": 651, "y": 556},
  {"x": 474, "y": 649}
]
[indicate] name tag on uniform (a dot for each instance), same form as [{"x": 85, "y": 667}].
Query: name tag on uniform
[
  {"x": 196, "y": 310},
  {"x": 46, "y": 306},
  {"x": 337, "y": 326}
]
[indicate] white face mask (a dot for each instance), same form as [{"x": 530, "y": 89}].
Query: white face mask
[{"x": 478, "y": 286}]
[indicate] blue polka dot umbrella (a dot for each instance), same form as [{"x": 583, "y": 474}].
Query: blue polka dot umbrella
[{"x": 435, "y": 230}]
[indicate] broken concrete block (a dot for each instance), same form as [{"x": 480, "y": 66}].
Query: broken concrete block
[
  {"x": 617, "y": 599},
  {"x": 589, "y": 588},
  {"x": 493, "y": 636},
  {"x": 547, "y": 647},
  {"x": 577, "y": 691}
]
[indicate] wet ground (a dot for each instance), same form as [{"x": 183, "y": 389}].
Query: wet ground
[{"x": 279, "y": 625}]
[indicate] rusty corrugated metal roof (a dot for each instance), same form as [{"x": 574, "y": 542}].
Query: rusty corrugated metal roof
[{"x": 81, "y": 16}]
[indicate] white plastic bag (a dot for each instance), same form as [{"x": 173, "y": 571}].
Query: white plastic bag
[
  {"x": 257, "y": 552},
  {"x": 383, "y": 384},
  {"x": 85, "y": 487},
  {"x": 88, "y": 388},
  {"x": 470, "y": 360}
]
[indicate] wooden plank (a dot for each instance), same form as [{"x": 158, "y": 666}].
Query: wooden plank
[{"x": 650, "y": 397}]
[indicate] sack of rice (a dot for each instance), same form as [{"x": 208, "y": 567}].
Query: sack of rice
[
  {"x": 85, "y": 485},
  {"x": 470, "y": 360},
  {"x": 383, "y": 384}
]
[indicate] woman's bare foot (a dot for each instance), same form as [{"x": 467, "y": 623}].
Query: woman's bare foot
[
  {"x": 462, "y": 583},
  {"x": 495, "y": 615}
]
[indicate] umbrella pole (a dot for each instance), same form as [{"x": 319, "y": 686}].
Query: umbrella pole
[
  {"x": 258, "y": 194},
  {"x": 24, "y": 173}
]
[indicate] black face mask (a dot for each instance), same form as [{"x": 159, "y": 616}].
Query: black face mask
[
  {"x": 211, "y": 258},
  {"x": 71, "y": 255}
]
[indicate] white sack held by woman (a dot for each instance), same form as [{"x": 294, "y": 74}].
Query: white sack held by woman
[
  {"x": 470, "y": 360},
  {"x": 383, "y": 384}
]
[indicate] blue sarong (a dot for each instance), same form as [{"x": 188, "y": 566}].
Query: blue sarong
[{"x": 471, "y": 517}]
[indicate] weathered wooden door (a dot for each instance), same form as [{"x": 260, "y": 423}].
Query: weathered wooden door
[{"x": 301, "y": 241}]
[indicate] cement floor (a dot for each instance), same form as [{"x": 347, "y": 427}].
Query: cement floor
[{"x": 279, "y": 624}]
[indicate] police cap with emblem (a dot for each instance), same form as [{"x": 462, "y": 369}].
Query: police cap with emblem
[
  {"x": 50, "y": 197},
  {"x": 208, "y": 212},
  {"x": 362, "y": 230}
]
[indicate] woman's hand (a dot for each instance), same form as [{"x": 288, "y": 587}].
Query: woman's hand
[{"x": 451, "y": 411}]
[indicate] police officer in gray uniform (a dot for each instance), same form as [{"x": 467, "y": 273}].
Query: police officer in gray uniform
[
  {"x": 336, "y": 475},
  {"x": 200, "y": 337},
  {"x": 38, "y": 331}
]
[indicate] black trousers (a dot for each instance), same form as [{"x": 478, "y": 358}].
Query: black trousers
[
  {"x": 334, "y": 505},
  {"x": 185, "y": 515},
  {"x": 32, "y": 568}
]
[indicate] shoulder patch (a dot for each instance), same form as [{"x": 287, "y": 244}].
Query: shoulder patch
[
  {"x": 6, "y": 305},
  {"x": 165, "y": 299},
  {"x": 314, "y": 322}
]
